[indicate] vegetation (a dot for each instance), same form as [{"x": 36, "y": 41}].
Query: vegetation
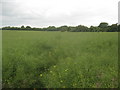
[
  {"x": 103, "y": 27},
  {"x": 0, "y": 60},
  {"x": 60, "y": 60}
]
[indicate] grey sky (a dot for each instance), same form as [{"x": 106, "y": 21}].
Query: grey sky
[
  {"x": 43, "y": 13},
  {"x": 119, "y": 12}
]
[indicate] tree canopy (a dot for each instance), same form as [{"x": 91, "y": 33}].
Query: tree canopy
[{"x": 102, "y": 27}]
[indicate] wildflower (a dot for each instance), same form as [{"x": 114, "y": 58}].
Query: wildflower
[{"x": 41, "y": 75}]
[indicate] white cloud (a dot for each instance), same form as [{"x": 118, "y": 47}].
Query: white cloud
[{"x": 42, "y": 13}]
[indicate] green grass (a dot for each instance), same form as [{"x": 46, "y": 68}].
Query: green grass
[
  {"x": 0, "y": 59},
  {"x": 60, "y": 59}
]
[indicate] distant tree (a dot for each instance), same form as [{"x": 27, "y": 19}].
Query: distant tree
[
  {"x": 64, "y": 28},
  {"x": 72, "y": 29},
  {"x": 28, "y": 27},
  {"x": 51, "y": 28},
  {"x": 22, "y": 28},
  {"x": 81, "y": 28},
  {"x": 103, "y": 25},
  {"x": 119, "y": 28},
  {"x": 113, "y": 28},
  {"x": 95, "y": 29},
  {"x": 6, "y": 28}
]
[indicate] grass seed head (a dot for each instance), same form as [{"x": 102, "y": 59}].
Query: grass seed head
[
  {"x": 61, "y": 81},
  {"x": 41, "y": 75},
  {"x": 66, "y": 70}
]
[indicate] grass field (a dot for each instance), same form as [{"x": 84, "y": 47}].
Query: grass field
[
  {"x": 0, "y": 59},
  {"x": 60, "y": 59}
]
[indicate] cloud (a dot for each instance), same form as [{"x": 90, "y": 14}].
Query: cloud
[
  {"x": 42, "y": 13},
  {"x": 119, "y": 12}
]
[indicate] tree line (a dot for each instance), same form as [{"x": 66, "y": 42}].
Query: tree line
[{"x": 102, "y": 27}]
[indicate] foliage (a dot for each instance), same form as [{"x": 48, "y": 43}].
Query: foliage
[
  {"x": 103, "y": 27},
  {"x": 81, "y": 28},
  {"x": 113, "y": 28}
]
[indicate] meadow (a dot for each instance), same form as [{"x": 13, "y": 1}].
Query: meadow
[{"x": 36, "y": 59}]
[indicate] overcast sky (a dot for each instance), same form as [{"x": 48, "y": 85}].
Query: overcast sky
[{"x": 43, "y": 13}]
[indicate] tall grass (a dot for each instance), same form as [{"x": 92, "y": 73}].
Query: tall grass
[
  {"x": 60, "y": 59},
  {"x": 0, "y": 59}
]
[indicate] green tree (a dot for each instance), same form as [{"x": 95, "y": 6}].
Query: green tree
[
  {"x": 72, "y": 29},
  {"x": 103, "y": 25},
  {"x": 95, "y": 29},
  {"x": 51, "y": 28},
  {"x": 28, "y": 27},
  {"x": 118, "y": 28},
  {"x": 64, "y": 28},
  {"x": 22, "y": 27},
  {"x": 81, "y": 28},
  {"x": 113, "y": 28}
]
